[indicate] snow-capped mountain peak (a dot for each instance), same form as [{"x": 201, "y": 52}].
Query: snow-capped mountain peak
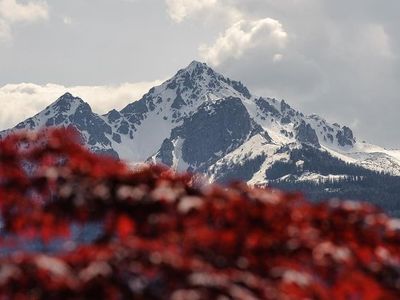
[
  {"x": 200, "y": 120},
  {"x": 194, "y": 84},
  {"x": 66, "y": 100},
  {"x": 57, "y": 113}
]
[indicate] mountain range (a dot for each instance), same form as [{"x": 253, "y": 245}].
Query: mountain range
[{"x": 201, "y": 121}]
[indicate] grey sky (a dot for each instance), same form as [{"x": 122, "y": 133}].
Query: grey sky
[{"x": 339, "y": 59}]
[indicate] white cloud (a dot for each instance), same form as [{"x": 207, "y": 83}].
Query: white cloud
[
  {"x": 12, "y": 12},
  {"x": 245, "y": 35},
  {"x": 178, "y": 10},
  {"x": 20, "y": 101}
]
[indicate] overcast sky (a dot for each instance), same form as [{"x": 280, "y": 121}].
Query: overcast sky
[{"x": 336, "y": 58}]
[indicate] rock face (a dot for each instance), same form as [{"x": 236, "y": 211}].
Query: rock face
[
  {"x": 306, "y": 134},
  {"x": 345, "y": 137},
  {"x": 216, "y": 129},
  {"x": 201, "y": 121}
]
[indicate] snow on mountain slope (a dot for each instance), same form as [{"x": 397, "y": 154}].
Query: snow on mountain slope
[
  {"x": 253, "y": 157},
  {"x": 150, "y": 120},
  {"x": 369, "y": 156},
  {"x": 201, "y": 121},
  {"x": 313, "y": 177}
]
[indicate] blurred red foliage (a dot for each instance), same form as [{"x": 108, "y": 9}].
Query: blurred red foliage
[{"x": 164, "y": 236}]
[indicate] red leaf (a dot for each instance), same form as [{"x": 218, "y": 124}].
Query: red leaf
[{"x": 125, "y": 226}]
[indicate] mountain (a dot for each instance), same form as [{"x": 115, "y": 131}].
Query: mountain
[
  {"x": 201, "y": 121},
  {"x": 72, "y": 111}
]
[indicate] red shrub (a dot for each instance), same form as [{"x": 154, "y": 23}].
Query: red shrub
[{"x": 165, "y": 237}]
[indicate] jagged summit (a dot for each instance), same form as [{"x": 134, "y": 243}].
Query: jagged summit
[
  {"x": 67, "y": 102},
  {"x": 214, "y": 80},
  {"x": 68, "y": 97},
  {"x": 196, "y": 68},
  {"x": 184, "y": 92},
  {"x": 196, "y": 65}
]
